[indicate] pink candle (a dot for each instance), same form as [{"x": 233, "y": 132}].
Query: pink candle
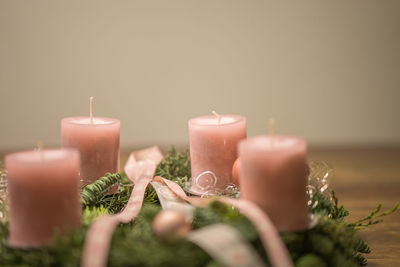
[
  {"x": 97, "y": 140},
  {"x": 43, "y": 193},
  {"x": 213, "y": 150},
  {"x": 273, "y": 175}
]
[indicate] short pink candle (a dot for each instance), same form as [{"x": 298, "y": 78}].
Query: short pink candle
[
  {"x": 273, "y": 175},
  {"x": 213, "y": 150},
  {"x": 97, "y": 142},
  {"x": 43, "y": 193}
]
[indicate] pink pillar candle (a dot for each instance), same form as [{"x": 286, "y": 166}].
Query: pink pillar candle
[
  {"x": 97, "y": 142},
  {"x": 213, "y": 150},
  {"x": 273, "y": 176},
  {"x": 43, "y": 194}
]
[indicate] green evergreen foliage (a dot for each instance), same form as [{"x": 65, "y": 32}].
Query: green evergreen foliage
[
  {"x": 95, "y": 194},
  {"x": 175, "y": 167},
  {"x": 371, "y": 219},
  {"x": 310, "y": 260},
  {"x": 332, "y": 242},
  {"x": 92, "y": 193},
  {"x": 322, "y": 205}
]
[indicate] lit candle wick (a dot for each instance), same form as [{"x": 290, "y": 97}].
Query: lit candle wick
[
  {"x": 271, "y": 128},
  {"x": 40, "y": 148},
  {"x": 217, "y": 115},
  {"x": 91, "y": 109}
]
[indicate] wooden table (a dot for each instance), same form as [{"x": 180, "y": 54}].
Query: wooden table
[{"x": 365, "y": 177}]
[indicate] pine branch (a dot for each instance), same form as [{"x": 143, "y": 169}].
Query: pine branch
[
  {"x": 337, "y": 212},
  {"x": 175, "y": 166},
  {"x": 151, "y": 195},
  {"x": 324, "y": 206},
  {"x": 371, "y": 219},
  {"x": 93, "y": 193},
  {"x": 343, "y": 240},
  {"x": 362, "y": 261},
  {"x": 363, "y": 247},
  {"x": 89, "y": 214}
]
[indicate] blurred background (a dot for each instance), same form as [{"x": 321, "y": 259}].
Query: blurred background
[{"x": 325, "y": 70}]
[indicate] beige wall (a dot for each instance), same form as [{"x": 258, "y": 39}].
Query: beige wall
[{"x": 326, "y": 70}]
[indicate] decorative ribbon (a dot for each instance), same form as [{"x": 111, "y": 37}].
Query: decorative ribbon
[
  {"x": 170, "y": 201},
  {"x": 226, "y": 245},
  {"x": 140, "y": 166},
  {"x": 273, "y": 245},
  {"x": 140, "y": 169}
]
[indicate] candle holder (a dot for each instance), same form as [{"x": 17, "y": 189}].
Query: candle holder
[
  {"x": 205, "y": 185},
  {"x": 319, "y": 177}
]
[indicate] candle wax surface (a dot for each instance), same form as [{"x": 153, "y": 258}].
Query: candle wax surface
[
  {"x": 213, "y": 150},
  {"x": 96, "y": 121},
  {"x": 98, "y": 144},
  {"x": 43, "y": 193},
  {"x": 277, "y": 143},
  {"x": 213, "y": 120},
  {"x": 273, "y": 175}
]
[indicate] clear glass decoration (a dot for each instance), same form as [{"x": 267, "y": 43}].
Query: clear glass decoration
[
  {"x": 206, "y": 182},
  {"x": 3, "y": 192},
  {"x": 319, "y": 177}
]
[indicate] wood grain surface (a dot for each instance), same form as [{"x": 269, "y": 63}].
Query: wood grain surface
[{"x": 364, "y": 178}]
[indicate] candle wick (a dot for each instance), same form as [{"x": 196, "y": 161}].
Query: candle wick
[
  {"x": 40, "y": 148},
  {"x": 217, "y": 115},
  {"x": 91, "y": 109},
  {"x": 272, "y": 131}
]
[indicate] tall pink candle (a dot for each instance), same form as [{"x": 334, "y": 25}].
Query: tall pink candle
[
  {"x": 43, "y": 193},
  {"x": 273, "y": 175},
  {"x": 213, "y": 150},
  {"x": 97, "y": 142}
]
